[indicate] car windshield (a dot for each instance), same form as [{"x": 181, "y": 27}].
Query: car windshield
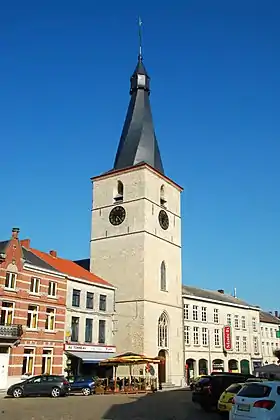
[
  {"x": 255, "y": 391},
  {"x": 234, "y": 388}
]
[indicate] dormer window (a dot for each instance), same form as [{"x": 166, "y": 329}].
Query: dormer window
[
  {"x": 162, "y": 196},
  {"x": 119, "y": 193}
]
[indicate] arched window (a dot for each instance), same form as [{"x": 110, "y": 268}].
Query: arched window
[
  {"x": 118, "y": 196},
  {"x": 162, "y": 196},
  {"x": 163, "y": 276},
  {"x": 163, "y": 330}
]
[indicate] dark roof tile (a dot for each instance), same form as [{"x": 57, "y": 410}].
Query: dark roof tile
[
  {"x": 214, "y": 295},
  {"x": 269, "y": 318}
]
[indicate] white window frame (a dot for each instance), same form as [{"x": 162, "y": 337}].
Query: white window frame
[
  {"x": 254, "y": 324},
  {"x": 243, "y": 322},
  {"x": 204, "y": 336},
  {"x": 29, "y": 356},
  {"x": 204, "y": 314},
  {"x": 187, "y": 335},
  {"x": 216, "y": 315},
  {"x": 217, "y": 340},
  {"x": 196, "y": 336},
  {"x": 36, "y": 286},
  {"x": 229, "y": 319},
  {"x": 195, "y": 313},
  {"x": 8, "y": 310},
  {"x": 244, "y": 345},
  {"x": 256, "y": 345},
  {"x": 49, "y": 316},
  {"x": 186, "y": 311},
  {"x": 32, "y": 313},
  {"x": 53, "y": 286},
  {"x": 236, "y": 322},
  {"x": 47, "y": 356},
  {"x": 12, "y": 280},
  {"x": 237, "y": 343}
]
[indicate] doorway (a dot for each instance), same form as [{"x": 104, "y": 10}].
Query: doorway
[
  {"x": 162, "y": 367},
  {"x": 4, "y": 363}
]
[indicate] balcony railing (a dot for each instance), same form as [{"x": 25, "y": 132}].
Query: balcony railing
[{"x": 10, "y": 332}]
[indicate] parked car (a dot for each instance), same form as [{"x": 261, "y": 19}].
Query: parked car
[
  {"x": 193, "y": 381},
  {"x": 49, "y": 385},
  {"x": 84, "y": 384},
  {"x": 257, "y": 401},
  {"x": 208, "y": 390},
  {"x": 226, "y": 398}
]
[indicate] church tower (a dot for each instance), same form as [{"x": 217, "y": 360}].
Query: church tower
[{"x": 136, "y": 239}]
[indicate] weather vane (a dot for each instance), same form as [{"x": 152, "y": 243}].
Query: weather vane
[{"x": 140, "y": 37}]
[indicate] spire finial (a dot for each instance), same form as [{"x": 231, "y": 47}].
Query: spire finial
[{"x": 140, "y": 38}]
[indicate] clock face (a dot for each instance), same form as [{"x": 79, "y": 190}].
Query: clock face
[
  {"x": 163, "y": 219},
  {"x": 117, "y": 215}
]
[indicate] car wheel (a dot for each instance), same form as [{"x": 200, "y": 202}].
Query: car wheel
[
  {"x": 17, "y": 393},
  {"x": 86, "y": 391},
  {"x": 55, "y": 392}
]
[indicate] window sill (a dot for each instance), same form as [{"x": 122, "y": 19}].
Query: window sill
[
  {"x": 34, "y": 294},
  {"x": 10, "y": 289},
  {"x": 31, "y": 329},
  {"x": 50, "y": 331},
  {"x": 163, "y": 290}
]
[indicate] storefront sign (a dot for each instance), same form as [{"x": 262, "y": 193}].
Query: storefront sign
[
  {"x": 227, "y": 338},
  {"x": 101, "y": 349}
]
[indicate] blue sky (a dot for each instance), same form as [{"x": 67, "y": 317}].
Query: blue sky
[{"x": 215, "y": 69}]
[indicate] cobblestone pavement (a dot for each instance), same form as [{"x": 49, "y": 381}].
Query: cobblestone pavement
[{"x": 168, "y": 405}]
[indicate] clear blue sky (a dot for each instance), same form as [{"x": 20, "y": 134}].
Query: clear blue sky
[{"x": 215, "y": 71}]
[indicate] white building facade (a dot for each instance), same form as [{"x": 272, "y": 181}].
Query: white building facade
[
  {"x": 270, "y": 336},
  {"x": 89, "y": 325},
  {"x": 206, "y": 314}
]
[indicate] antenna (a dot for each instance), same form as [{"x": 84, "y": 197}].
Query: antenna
[{"x": 140, "y": 37}]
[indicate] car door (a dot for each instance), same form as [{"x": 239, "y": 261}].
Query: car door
[{"x": 33, "y": 386}]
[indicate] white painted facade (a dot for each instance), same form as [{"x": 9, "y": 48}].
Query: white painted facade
[
  {"x": 130, "y": 257},
  {"x": 82, "y": 311},
  {"x": 269, "y": 339},
  {"x": 204, "y": 320}
]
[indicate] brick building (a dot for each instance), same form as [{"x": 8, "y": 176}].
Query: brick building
[{"x": 33, "y": 310}]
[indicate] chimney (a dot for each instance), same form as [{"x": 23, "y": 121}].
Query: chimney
[
  {"x": 276, "y": 314},
  {"x": 221, "y": 291},
  {"x": 25, "y": 243},
  {"x": 15, "y": 232},
  {"x": 53, "y": 253},
  {"x": 234, "y": 292}
]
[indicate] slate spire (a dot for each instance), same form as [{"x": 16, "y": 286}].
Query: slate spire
[{"x": 138, "y": 141}]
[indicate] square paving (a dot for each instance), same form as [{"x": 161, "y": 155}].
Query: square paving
[{"x": 168, "y": 405}]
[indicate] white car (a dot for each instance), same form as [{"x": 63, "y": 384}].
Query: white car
[{"x": 257, "y": 401}]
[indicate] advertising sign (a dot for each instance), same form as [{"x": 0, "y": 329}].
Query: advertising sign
[{"x": 227, "y": 338}]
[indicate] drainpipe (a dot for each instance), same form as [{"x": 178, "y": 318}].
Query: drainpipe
[{"x": 184, "y": 379}]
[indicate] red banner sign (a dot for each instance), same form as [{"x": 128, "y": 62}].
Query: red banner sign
[{"x": 227, "y": 338}]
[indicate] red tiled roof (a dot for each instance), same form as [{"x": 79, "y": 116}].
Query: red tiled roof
[{"x": 69, "y": 268}]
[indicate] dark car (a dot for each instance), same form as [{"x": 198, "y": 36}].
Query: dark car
[
  {"x": 84, "y": 384},
  {"x": 208, "y": 390},
  {"x": 49, "y": 385}
]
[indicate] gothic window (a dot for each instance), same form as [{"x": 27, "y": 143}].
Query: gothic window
[
  {"x": 163, "y": 276},
  {"x": 162, "y": 196},
  {"x": 118, "y": 196},
  {"x": 163, "y": 331}
]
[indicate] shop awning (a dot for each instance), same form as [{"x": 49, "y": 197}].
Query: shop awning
[{"x": 90, "y": 356}]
